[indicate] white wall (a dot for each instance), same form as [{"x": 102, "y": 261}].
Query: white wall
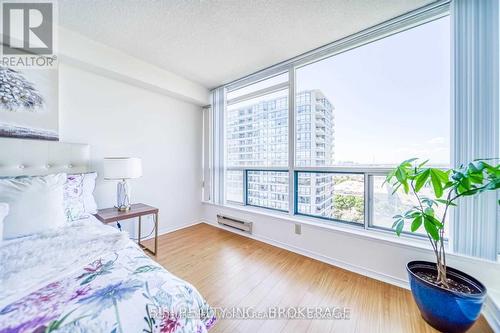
[
  {"x": 119, "y": 119},
  {"x": 123, "y": 106}
]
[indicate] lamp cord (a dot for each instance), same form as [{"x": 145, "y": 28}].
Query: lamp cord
[{"x": 132, "y": 238}]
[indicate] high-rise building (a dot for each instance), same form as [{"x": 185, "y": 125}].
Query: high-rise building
[
  {"x": 257, "y": 135},
  {"x": 314, "y": 147}
]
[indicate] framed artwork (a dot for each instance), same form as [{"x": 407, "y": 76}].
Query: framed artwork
[{"x": 29, "y": 103}]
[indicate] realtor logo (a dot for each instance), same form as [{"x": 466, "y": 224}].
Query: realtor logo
[{"x": 27, "y": 28}]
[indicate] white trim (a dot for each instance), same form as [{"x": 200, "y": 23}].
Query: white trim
[
  {"x": 164, "y": 231},
  {"x": 491, "y": 313},
  {"x": 291, "y": 141}
]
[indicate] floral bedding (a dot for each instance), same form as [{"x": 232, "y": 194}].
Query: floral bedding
[{"x": 121, "y": 290}]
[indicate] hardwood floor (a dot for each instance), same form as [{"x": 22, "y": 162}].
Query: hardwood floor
[{"x": 232, "y": 270}]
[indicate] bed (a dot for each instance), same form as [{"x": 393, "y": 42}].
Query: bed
[{"x": 85, "y": 276}]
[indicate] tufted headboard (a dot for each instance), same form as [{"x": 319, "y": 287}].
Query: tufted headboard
[{"x": 19, "y": 157}]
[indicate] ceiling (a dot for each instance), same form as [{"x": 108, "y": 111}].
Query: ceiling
[{"x": 214, "y": 42}]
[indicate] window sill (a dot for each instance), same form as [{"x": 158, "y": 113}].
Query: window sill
[{"x": 352, "y": 230}]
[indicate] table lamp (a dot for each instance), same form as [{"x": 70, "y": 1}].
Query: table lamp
[{"x": 122, "y": 169}]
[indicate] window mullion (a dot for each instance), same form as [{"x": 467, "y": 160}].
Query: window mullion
[
  {"x": 291, "y": 141},
  {"x": 368, "y": 200}
]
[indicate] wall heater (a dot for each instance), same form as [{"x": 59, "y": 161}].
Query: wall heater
[{"x": 232, "y": 222}]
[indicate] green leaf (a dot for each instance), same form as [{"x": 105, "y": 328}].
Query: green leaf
[
  {"x": 406, "y": 187},
  {"x": 417, "y": 222},
  {"x": 396, "y": 222},
  {"x": 422, "y": 179},
  {"x": 400, "y": 175},
  {"x": 457, "y": 175},
  {"x": 399, "y": 227},
  {"x": 435, "y": 221},
  {"x": 396, "y": 188},
  {"x": 494, "y": 185},
  {"x": 428, "y": 202},
  {"x": 390, "y": 175},
  {"x": 409, "y": 161},
  {"x": 436, "y": 183},
  {"x": 446, "y": 202},
  {"x": 431, "y": 229},
  {"x": 429, "y": 211},
  {"x": 422, "y": 164},
  {"x": 443, "y": 175}
]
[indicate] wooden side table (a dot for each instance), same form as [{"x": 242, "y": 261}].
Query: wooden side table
[{"x": 111, "y": 215}]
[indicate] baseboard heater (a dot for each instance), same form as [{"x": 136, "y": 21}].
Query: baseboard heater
[{"x": 234, "y": 223}]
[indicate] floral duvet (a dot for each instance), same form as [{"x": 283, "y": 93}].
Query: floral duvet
[{"x": 102, "y": 283}]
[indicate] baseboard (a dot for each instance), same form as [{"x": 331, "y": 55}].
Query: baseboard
[
  {"x": 491, "y": 311},
  {"x": 164, "y": 231}
]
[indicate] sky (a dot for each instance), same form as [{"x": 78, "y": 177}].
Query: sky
[{"x": 391, "y": 97}]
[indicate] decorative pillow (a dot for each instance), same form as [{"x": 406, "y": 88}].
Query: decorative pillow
[
  {"x": 35, "y": 204},
  {"x": 4, "y": 211},
  {"x": 79, "y": 201}
]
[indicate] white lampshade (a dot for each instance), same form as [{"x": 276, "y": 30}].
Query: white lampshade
[{"x": 122, "y": 167}]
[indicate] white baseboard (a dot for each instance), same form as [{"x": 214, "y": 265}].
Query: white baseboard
[
  {"x": 164, "y": 231},
  {"x": 491, "y": 311}
]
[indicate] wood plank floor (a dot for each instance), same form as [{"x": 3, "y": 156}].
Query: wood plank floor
[{"x": 232, "y": 270}]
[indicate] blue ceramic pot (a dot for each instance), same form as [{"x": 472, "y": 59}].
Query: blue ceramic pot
[{"x": 446, "y": 310}]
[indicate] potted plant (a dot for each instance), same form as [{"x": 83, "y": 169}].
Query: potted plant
[{"x": 448, "y": 299}]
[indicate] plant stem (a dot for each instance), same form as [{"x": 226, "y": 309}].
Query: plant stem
[
  {"x": 439, "y": 253},
  {"x": 443, "y": 278}
]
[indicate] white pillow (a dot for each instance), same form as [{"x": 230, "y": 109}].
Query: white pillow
[
  {"x": 79, "y": 200},
  {"x": 4, "y": 211},
  {"x": 88, "y": 192},
  {"x": 35, "y": 204}
]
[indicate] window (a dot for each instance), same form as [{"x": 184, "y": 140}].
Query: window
[
  {"x": 234, "y": 186},
  {"x": 257, "y": 136},
  {"x": 257, "y": 124},
  {"x": 386, "y": 205},
  {"x": 268, "y": 189},
  {"x": 357, "y": 110},
  {"x": 334, "y": 196},
  {"x": 370, "y": 105}
]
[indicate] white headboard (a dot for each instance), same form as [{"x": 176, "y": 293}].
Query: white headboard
[{"x": 19, "y": 157}]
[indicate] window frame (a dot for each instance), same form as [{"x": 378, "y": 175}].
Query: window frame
[{"x": 394, "y": 26}]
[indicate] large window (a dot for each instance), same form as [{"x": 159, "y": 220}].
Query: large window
[
  {"x": 257, "y": 137},
  {"x": 356, "y": 112},
  {"x": 372, "y": 105}
]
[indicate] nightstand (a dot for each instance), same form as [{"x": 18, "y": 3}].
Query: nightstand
[{"x": 111, "y": 215}]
